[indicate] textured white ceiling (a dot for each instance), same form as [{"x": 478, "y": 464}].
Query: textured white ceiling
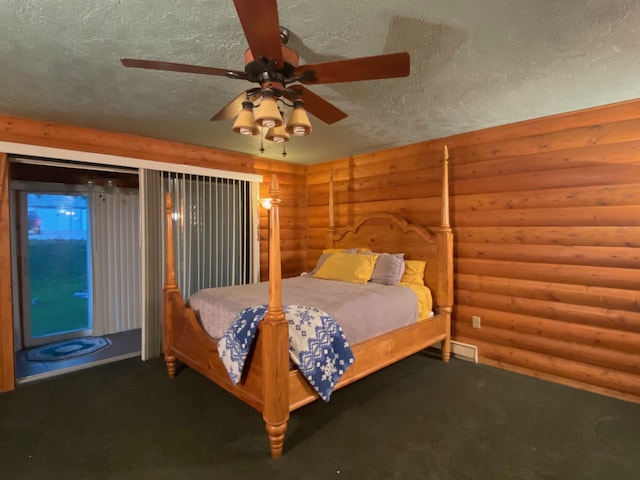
[{"x": 474, "y": 64}]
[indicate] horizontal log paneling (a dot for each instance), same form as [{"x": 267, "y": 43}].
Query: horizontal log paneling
[
  {"x": 431, "y": 151},
  {"x": 549, "y": 367},
  {"x": 563, "y": 178},
  {"x": 292, "y": 185},
  {"x": 403, "y": 192},
  {"x": 622, "y": 320},
  {"x": 285, "y": 245},
  {"x": 557, "y": 329},
  {"x": 626, "y": 279},
  {"x": 573, "y": 158},
  {"x": 560, "y": 235},
  {"x": 610, "y": 298},
  {"x": 297, "y": 233},
  {"x": 620, "y": 257},
  {"x": 597, "y": 356},
  {"x": 546, "y": 234},
  {"x": 570, "y": 216},
  {"x": 553, "y": 123},
  {"x": 417, "y": 206},
  {"x": 565, "y": 139},
  {"x": 379, "y": 163},
  {"x": 368, "y": 181},
  {"x": 568, "y": 197}
]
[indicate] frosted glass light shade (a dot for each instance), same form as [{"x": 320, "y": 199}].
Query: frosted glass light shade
[
  {"x": 298, "y": 123},
  {"x": 245, "y": 123},
  {"x": 267, "y": 113},
  {"x": 277, "y": 134}
]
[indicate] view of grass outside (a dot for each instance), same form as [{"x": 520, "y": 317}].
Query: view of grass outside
[{"x": 58, "y": 286}]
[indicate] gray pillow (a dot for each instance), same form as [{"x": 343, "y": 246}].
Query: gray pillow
[{"x": 389, "y": 268}]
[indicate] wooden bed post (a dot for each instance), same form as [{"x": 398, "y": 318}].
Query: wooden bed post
[
  {"x": 445, "y": 261},
  {"x": 332, "y": 225},
  {"x": 170, "y": 286},
  {"x": 274, "y": 334}
]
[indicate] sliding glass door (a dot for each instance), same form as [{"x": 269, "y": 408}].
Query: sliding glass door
[{"x": 55, "y": 266}]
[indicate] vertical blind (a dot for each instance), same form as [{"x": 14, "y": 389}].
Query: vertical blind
[
  {"x": 116, "y": 292},
  {"x": 151, "y": 245},
  {"x": 213, "y": 231},
  {"x": 215, "y": 228}
]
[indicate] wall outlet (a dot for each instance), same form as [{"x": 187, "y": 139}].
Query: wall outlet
[{"x": 475, "y": 321}]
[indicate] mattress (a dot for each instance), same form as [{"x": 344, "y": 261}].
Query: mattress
[{"x": 363, "y": 311}]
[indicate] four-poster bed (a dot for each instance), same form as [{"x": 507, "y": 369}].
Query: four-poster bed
[{"x": 269, "y": 383}]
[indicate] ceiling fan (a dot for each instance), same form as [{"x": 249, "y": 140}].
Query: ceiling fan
[{"x": 274, "y": 66}]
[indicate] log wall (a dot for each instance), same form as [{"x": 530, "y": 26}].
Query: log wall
[
  {"x": 547, "y": 237},
  {"x": 292, "y": 179}
]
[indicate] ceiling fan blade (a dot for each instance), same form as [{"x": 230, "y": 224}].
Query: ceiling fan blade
[
  {"x": 391, "y": 65},
  {"x": 316, "y": 105},
  {"x": 232, "y": 109},
  {"x": 259, "y": 19},
  {"x": 180, "y": 67}
]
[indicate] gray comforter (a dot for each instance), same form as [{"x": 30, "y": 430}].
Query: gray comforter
[{"x": 363, "y": 311}]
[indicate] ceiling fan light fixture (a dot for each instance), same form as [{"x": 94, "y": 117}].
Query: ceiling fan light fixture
[
  {"x": 299, "y": 124},
  {"x": 277, "y": 134},
  {"x": 275, "y": 68},
  {"x": 267, "y": 113},
  {"x": 245, "y": 123}
]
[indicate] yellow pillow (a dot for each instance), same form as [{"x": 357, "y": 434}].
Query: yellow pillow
[
  {"x": 414, "y": 272},
  {"x": 425, "y": 300},
  {"x": 347, "y": 267}
]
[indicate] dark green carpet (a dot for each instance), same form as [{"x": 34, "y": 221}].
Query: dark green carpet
[{"x": 418, "y": 419}]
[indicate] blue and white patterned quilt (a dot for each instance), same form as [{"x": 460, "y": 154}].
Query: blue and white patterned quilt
[{"x": 317, "y": 345}]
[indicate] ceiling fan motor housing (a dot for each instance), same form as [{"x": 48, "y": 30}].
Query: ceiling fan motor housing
[{"x": 255, "y": 69}]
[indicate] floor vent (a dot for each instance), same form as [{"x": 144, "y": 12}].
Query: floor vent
[{"x": 463, "y": 351}]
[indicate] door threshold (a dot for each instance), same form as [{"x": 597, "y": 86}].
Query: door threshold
[{"x": 74, "y": 368}]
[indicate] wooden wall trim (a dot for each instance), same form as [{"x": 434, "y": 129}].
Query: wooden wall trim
[
  {"x": 48, "y": 134},
  {"x": 7, "y": 358}
]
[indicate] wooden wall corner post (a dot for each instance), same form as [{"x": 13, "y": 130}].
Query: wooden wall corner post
[
  {"x": 274, "y": 335},
  {"x": 332, "y": 222},
  {"x": 170, "y": 288},
  {"x": 445, "y": 266},
  {"x": 7, "y": 354}
]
